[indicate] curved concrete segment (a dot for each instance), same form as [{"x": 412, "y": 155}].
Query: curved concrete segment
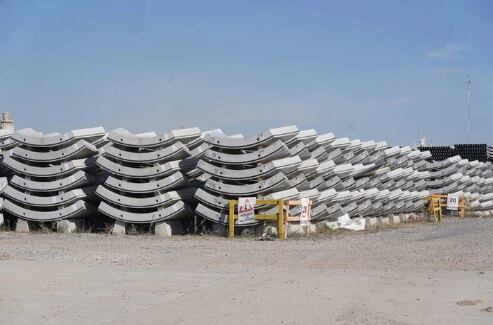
[
  {"x": 274, "y": 183},
  {"x": 274, "y": 151},
  {"x": 3, "y": 184},
  {"x": 128, "y": 139},
  {"x": 303, "y": 136},
  {"x": 176, "y": 151},
  {"x": 163, "y": 184},
  {"x": 300, "y": 151},
  {"x": 211, "y": 199},
  {"x": 68, "y": 197},
  {"x": 77, "y": 150},
  {"x": 76, "y": 210},
  {"x": 63, "y": 169},
  {"x": 321, "y": 141},
  {"x": 285, "y": 165},
  {"x": 177, "y": 211},
  {"x": 160, "y": 199},
  {"x": 77, "y": 180},
  {"x": 33, "y": 138},
  {"x": 282, "y": 134},
  {"x": 156, "y": 171},
  {"x": 213, "y": 215}
]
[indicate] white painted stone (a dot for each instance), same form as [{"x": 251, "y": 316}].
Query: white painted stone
[
  {"x": 118, "y": 228},
  {"x": 334, "y": 225},
  {"x": 168, "y": 228},
  {"x": 404, "y": 217},
  {"x": 394, "y": 219},
  {"x": 66, "y": 226},
  {"x": 326, "y": 225},
  {"x": 385, "y": 220},
  {"x": 21, "y": 225},
  {"x": 370, "y": 222},
  {"x": 163, "y": 229}
]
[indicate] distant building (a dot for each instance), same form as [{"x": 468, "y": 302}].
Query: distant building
[{"x": 7, "y": 121}]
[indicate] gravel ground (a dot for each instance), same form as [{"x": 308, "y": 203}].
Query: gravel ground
[{"x": 414, "y": 274}]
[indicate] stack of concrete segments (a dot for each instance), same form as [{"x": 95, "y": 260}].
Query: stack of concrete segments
[
  {"x": 371, "y": 178},
  {"x": 266, "y": 166},
  {"x": 146, "y": 180},
  {"x": 54, "y": 175},
  {"x": 6, "y": 143},
  {"x": 404, "y": 175},
  {"x": 455, "y": 175}
]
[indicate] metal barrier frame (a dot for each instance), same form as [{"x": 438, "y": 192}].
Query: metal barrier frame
[
  {"x": 442, "y": 203},
  {"x": 282, "y": 217},
  {"x": 279, "y": 217}
]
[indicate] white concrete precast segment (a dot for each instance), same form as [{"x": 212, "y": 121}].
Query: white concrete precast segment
[
  {"x": 75, "y": 210},
  {"x": 127, "y": 139},
  {"x": 276, "y": 150},
  {"x": 332, "y": 182},
  {"x": 68, "y": 197},
  {"x": 272, "y": 135},
  {"x": 3, "y": 184},
  {"x": 299, "y": 182},
  {"x": 78, "y": 150},
  {"x": 155, "y": 171},
  {"x": 216, "y": 216},
  {"x": 304, "y": 136},
  {"x": 320, "y": 154},
  {"x": 33, "y": 138},
  {"x": 359, "y": 157},
  {"x": 176, "y": 211},
  {"x": 308, "y": 166},
  {"x": 176, "y": 151},
  {"x": 299, "y": 150},
  {"x": 157, "y": 200},
  {"x": 286, "y": 165},
  {"x": 63, "y": 169},
  {"x": 274, "y": 183},
  {"x": 322, "y": 140},
  {"x": 164, "y": 184},
  {"x": 318, "y": 183},
  {"x": 211, "y": 199},
  {"x": 344, "y": 158},
  {"x": 76, "y": 180}
]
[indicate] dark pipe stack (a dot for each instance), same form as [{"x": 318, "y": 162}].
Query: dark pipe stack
[{"x": 471, "y": 152}]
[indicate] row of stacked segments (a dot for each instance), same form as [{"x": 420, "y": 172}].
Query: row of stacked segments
[
  {"x": 6, "y": 143},
  {"x": 52, "y": 176},
  {"x": 186, "y": 173},
  {"x": 339, "y": 175},
  {"x": 472, "y": 179},
  {"x": 147, "y": 180}
]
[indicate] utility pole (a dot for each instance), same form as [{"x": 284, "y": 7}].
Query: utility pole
[{"x": 468, "y": 86}]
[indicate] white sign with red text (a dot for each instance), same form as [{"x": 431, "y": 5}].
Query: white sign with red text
[{"x": 246, "y": 209}]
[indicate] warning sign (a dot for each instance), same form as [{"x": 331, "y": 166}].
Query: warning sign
[
  {"x": 453, "y": 202},
  {"x": 246, "y": 209},
  {"x": 304, "y": 211}
]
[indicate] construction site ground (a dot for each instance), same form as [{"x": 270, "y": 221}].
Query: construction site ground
[{"x": 422, "y": 273}]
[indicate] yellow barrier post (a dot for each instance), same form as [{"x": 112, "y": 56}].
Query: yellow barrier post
[
  {"x": 280, "y": 221},
  {"x": 231, "y": 219}
]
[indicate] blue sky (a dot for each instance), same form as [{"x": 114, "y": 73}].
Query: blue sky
[{"x": 382, "y": 70}]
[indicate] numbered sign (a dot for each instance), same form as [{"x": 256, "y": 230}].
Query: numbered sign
[
  {"x": 304, "y": 211},
  {"x": 246, "y": 209},
  {"x": 453, "y": 202}
]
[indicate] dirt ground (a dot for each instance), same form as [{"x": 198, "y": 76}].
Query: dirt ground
[{"x": 416, "y": 274}]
